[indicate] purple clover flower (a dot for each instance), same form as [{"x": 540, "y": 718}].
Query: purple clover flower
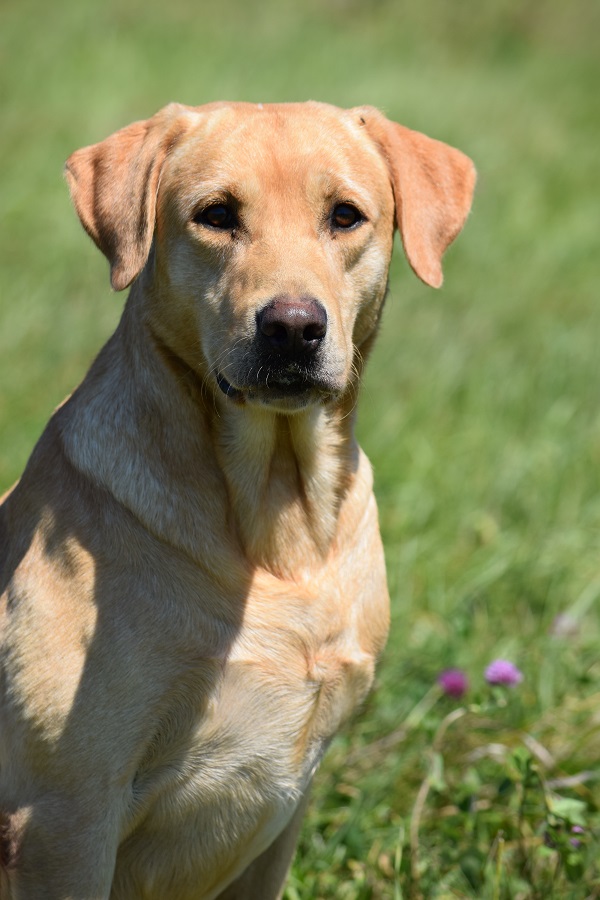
[
  {"x": 453, "y": 682},
  {"x": 501, "y": 671},
  {"x": 574, "y": 841}
]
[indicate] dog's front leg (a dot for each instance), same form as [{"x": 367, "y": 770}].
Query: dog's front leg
[
  {"x": 56, "y": 850},
  {"x": 265, "y": 877}
]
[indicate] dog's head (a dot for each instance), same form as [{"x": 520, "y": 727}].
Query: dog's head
[{"x": 264, "y": 234}]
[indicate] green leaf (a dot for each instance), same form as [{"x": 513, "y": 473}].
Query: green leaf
[{"x": 568, "y": 808}]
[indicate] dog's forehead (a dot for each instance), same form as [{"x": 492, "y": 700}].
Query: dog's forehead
[{"x": 283, "y": 142}]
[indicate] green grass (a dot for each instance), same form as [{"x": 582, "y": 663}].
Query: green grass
[{"x": 480, "y": 412}]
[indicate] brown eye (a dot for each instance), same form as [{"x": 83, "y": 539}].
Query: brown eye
[
  {"x": 345, "y": 216},
  {"x": 217, "y": 215}
]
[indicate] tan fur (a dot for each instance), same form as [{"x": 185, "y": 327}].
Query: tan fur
[{"x": 193, "y": 593}]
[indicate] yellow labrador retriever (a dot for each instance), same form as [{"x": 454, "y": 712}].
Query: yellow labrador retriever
[{"x": 192, "y": 584}]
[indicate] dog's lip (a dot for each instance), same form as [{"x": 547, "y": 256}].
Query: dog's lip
[
  {"x": 286, "y": 386},
  {"x": 283, "y": 384},
  {"x": 231, "y": 392}
]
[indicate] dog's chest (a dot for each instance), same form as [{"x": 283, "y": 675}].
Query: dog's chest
[{"x": 221, "y": 785}]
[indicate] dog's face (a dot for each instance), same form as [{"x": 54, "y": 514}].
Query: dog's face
[
  {"x": 274, "y": 235},
  {"x": 265, "y": 234}
]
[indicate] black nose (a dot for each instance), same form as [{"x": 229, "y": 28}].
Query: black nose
[{"x": 292, "y": 327}]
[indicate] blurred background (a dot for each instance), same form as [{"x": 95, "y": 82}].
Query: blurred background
[{"x": 480, "y": 412}]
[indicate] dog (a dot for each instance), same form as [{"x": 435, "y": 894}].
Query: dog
[{"x": 192, "y": 583}]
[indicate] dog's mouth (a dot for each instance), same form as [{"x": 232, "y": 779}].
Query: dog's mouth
[
  {"x": 228, "y": 389},
  {"x": 296, "y": 388}
]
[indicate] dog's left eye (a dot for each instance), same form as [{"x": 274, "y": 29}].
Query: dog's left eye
[
  {"x": 345, "y": 216},
  {"x": 217, "y": 215}
]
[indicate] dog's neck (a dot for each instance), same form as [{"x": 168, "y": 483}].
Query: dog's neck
[
  {"x": 286, "y": 478},
  {"x": 206, "y": 474}
]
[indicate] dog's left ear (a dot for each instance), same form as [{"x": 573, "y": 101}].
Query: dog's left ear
[
  {"x": 114, "y": 185},
  {"x": 433, "y": 189}
]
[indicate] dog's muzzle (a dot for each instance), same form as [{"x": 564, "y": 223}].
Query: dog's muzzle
[{"x": 284, "y": 360}]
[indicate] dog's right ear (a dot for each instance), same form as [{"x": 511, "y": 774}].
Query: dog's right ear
[{"x": 114, "y": 185}]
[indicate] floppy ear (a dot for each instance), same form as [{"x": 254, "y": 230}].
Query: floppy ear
[
  {"x": 114, "y": 185},
  {"x": 433, "y": 189}
]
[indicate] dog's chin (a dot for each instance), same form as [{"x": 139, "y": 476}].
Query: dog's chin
[{"x": 284, "y": 394}]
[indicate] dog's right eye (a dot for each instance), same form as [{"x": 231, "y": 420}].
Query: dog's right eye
[{"x": 217, "y": 215}]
